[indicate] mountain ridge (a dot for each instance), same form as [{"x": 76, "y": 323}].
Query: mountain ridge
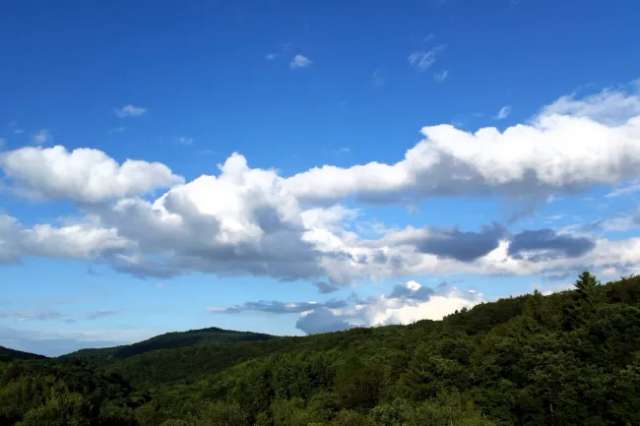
[
  {"x": 8, "y": 354},
  {"x": 169, "y": 340}
]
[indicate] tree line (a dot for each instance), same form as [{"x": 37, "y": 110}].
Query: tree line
[{"x": 567, "y": 358}]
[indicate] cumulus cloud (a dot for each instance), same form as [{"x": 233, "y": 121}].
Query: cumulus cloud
[
  {"x": 554, "y": 152},
  {"x": 246, "y": 221},
  {"x": 405, "y": 304},
  {"x": 240, "y": 222},
  {"x": 251, "y": 221},
  {"x": 77, "y": 241},
  {"x": 299, "y": 61},
  {"x": 83, "y": 175},
  {"x": 129, "y": 111}
]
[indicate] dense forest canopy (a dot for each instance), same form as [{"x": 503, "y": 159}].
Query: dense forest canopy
[{"x": 566, "y": 358}]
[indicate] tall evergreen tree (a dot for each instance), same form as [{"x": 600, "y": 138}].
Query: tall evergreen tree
[{"x": 586, "y": 286}]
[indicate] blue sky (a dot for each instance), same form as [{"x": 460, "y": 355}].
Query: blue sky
[{"x": 400, "y": 223}]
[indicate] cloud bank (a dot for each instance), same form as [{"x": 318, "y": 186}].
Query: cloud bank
[
  {"x": 251, "y": 221},
  {"x": 554, "y": 153},
  {"x": 407, "y": 303}
]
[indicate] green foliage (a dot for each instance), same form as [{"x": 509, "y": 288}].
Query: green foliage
[
  {"x": 449, "y": 409},
  {"x": 61, "y": 409},
  {"x": 359, "y": 384},
  {"x": 587, "y": 285},
  {"x": 63, "y": 393},
  {"x": 564, "y": 359},
  {"x": 187, "y": 339}
]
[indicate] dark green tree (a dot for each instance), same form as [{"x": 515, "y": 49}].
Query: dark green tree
[{"x": 587, "y": 287}]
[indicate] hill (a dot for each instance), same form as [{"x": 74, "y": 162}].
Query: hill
[
  {"x": 7, "y": 354},
  {"x": 567, "y": 358},
  {"x": 172, "y": 340}
]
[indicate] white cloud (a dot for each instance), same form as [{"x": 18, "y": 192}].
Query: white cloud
[
  {"x": 83, "y": 175},
  {"x": 240, "y": 222},
  {"x": 503, "y": 112},
  {"x": 389, "y": 311},
  {"x": 247, "y": 222},
  {"x": 554, "y": 152},
  {"x": 130, "y": 111},
  {"x": 611, "y": 107},
  {"x": 78, "y": 241},
  {"x": 299, "y": 61},
  {"x": 42, "y": 136},
  {"x": 253, "y": 221},
  {"x": 422, "y": 60}
]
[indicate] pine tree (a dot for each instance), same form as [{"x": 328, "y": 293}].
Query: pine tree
[
  {"x": 587, "y": 287},
  {"x": 582, "y": 305}
]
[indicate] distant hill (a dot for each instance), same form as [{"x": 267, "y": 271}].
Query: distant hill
[
  {"x": 7, "y": 354},
  {"x": 172, "y": 340}
]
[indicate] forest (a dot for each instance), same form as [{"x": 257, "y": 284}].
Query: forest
[{"x": 568, "y": 358}]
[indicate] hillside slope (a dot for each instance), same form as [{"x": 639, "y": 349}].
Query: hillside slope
[
  {"x": 7, "y": 354},
  {"x": 172, "y": 340},
  {"x": 568, "y": 358}
]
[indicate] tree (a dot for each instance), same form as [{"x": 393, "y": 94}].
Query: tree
[
  {"x": 582, "y": 305},
  {"x": 586, "y": 287}
]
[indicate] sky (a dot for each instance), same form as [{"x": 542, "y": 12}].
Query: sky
[{"x": 303, "y": 167}]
